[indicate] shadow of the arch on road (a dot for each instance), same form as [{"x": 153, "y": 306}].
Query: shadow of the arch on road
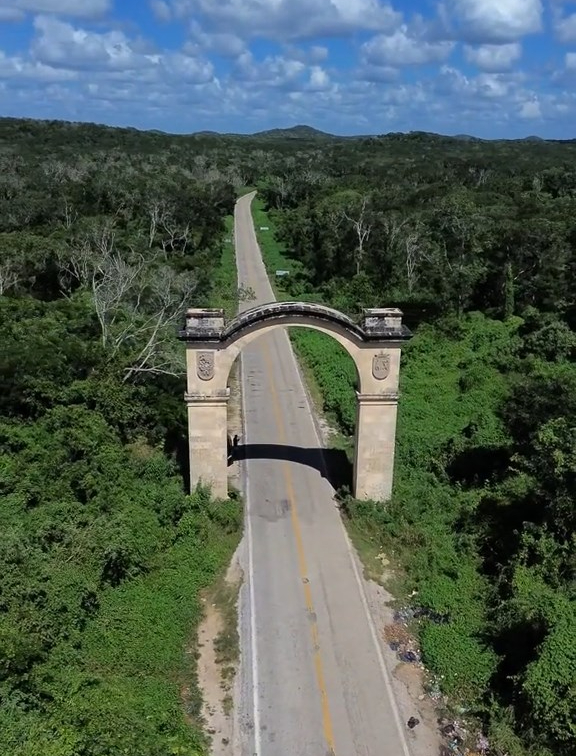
[{"x": 332, "y": 464}]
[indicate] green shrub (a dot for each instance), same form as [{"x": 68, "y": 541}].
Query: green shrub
[{"x": 462, "y": 663}]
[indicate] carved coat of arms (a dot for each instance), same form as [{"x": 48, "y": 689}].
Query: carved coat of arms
[
  {"x": 205, "y": 365},
  {"x": 381, "y": 366}
]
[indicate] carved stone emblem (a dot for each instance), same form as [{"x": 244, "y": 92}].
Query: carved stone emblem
[
  {"x": 381, "y": 366},
  {"x": 205, "y": 365}
]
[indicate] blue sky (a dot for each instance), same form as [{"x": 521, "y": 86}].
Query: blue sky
[{"x": 492, "y": 68}]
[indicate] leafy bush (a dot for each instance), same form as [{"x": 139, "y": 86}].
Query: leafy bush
[{"x": 463, "y": 664}]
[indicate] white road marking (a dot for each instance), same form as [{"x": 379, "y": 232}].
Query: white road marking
[
  {"x": 251, "y": 593},
  {"x": 250, "y": 547}
]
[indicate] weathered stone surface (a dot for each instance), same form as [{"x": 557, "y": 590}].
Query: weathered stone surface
[
  {"x": 374, "y": 344},
  {"x": 205, "y": 365},
  {"x": 381, "y": 366}
]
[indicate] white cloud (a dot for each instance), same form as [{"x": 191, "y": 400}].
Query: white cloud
[
  {"x": 10, "y": 14},
  {"x": 18, "y": 68},
  {"x": 382, "y": 74},
  {"x": 401, "y": 49},
  {"x": 186, "y": 69},
  {"x": 227, "y": 45},
  {"x": 60, "y": 44},
  {"x": 77, "y": 8},
  {"x": 161, "y": 10},
  {"x": 492, "y": 21},
  {"x": 530, "y": 110},
  {"x": 319, "y": 80},
  {"x": 494, "y": 58},
  {"x": 310, "y": 55},
  {"x": 290, "y": 19},
  {"x": 570, "y": 61},
  {"x": 318, "y": 53},
  {"x": 485, "y": 86},
  {"x": 565, "y": 27},
  {"x": 274, "y": 71}
]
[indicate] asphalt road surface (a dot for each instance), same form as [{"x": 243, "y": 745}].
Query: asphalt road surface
[{"x": 312, "y": 679}]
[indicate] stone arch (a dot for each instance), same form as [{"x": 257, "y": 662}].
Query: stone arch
[
  {"x": 374, "y": 344},
  {"x": 241, "y": 338}
]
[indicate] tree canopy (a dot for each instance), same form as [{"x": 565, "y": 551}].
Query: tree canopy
[{"x": 105, "y": 236}]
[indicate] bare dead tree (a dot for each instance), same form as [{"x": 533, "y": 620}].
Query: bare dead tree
[
  {"x": 136, "y": 302},
  {"x": 363, "y": 229},
  {"x": 393, "y": 227},
  {"x": 282, "y": 188},
  {"x": 11, "y": 184},
  {"x": 167, "y": 298},
  {"x": 9, "y": 276},
  {"x": 70, "y": 214},
  {"x": 480, "y": 174},
  {"x": 79, "y": 260},
  {"x": 415, "y": 252},
  {"x": 177, "y": 236},
  {"x": 411, "y": 248},
  {"x": 113, "y": 283},
  {"x": 537, "y": 184},
  {"x": 157, "y": 212}
]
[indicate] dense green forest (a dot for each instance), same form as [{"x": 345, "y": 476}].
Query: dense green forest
[
  {"x": 103, "y": 555},
  {"x": 104, "y": 235},
  {"x": 476, "y": 242}
]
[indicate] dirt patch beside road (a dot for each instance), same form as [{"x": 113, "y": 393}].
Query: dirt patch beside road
[{"x": 218, "y": 656}]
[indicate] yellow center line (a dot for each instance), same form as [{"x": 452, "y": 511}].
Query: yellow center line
[{"x": 302, "y": 564}]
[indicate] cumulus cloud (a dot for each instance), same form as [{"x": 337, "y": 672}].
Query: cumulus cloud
[
  {"x": 274, "y": 71},
  {"x": 382, "y": 74},
  {"x": 494, "y": 58},
  {"x": 59, "y": 44},
  {"x": 10, "y": 14},
  {"x": 218, "y": 80},
  {"x": 485, "y": 86},
  {"x": 318, "y": 53},
  {"x": 19, "y": 68},
  {"x": 77, "y": 8},
  {"x": 491, "y": 21},
  {"x": 289, "y": 19},
  {"x": 225, "y": 44},
  {"x": 311, "y": 55},
  {"x": 402, "y": 49},
  {"x": 319, "y": 80},
  {"x": 565, "y": 27},
  {"x": 161, "y": 10},
  {"x": 530, "y": 110}
]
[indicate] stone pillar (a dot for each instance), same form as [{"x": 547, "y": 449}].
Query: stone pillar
[
  {"x": 375, "y": 442},
  {"x": 207, "y": 440}
]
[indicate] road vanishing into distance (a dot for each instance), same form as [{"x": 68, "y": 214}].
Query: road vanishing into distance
[{"x": 312, "y": 679}]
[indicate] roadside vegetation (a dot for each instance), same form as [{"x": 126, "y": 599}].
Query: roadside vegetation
[
  {"x": 104, "y": 556},
  {"x": 106, "y": 235}
]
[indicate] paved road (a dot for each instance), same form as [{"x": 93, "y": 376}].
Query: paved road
[{"x": 312, "y": 677}]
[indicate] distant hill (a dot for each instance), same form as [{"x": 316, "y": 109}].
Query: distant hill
[
  {"x": 467, "y": 138},
  {"x": 48, "y": 129},
  {"x": 295, "y": 132}
]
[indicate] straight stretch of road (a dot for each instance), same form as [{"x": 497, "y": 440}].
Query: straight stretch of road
[{"x": 312, "y": 680}]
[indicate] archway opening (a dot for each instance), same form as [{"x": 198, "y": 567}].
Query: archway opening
[{"x": 330, "y": 379}]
